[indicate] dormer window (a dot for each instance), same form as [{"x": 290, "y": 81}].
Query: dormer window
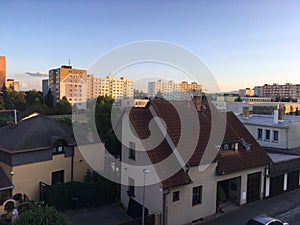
[
  {"x": 229, "y": 146},
  {"x": 58, "y": 149}
]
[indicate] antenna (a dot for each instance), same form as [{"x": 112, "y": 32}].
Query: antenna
[{"x": 69, "y": 62}]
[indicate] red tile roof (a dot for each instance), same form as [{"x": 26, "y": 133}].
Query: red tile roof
[{"x": 228, "y": 162}]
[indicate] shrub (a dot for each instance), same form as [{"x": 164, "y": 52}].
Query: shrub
[{"x": 41, "y": 216}]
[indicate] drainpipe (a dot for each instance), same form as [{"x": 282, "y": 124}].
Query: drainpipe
[
  {"x": 165, "y": 211},
  {"x": 72, "y": 166}
]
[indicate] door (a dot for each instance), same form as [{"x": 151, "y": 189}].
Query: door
[
  {"x": 293, "y": 180},
  {"x": 276, "y": 185},
  {"x": 253, "y": 187}
]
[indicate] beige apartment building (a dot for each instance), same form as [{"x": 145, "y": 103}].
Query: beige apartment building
[
  {"x": 110, "y": 86},
  {"x": 2, "y": 70},
  {"x": 172, "y": 90},
  {"x": 276, "y": 90},
  {"x": 12, "y": 84},
  {"x": 69, "y": 82}
]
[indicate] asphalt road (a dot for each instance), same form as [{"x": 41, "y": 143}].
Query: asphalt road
[{"x": 285, "y": 207}]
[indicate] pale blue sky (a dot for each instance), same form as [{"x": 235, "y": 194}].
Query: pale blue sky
[{"x": 244, "y": 43}]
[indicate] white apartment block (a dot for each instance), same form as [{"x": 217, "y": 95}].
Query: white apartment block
[{"x": 171, "y": 90}]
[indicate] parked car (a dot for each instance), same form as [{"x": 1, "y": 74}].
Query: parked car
[{"x": 265, "y": 220}]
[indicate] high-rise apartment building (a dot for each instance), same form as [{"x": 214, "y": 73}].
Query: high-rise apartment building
[
  {"x": 12, "y": 84},
  {"x": 2, "y": 71},
  {"x": 109, "y": 86},
  {"x": 276, "y": 90},
  {"x": 171, "y": 90},
  {"x": 69, "y": 82}
]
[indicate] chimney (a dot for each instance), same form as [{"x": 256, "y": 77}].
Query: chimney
[
  {"x": 246, "y": 112},
  {"x": 276, "y": 116},
  {"x": 281, "y": 114},
  {"x": 197, "y": 102}
]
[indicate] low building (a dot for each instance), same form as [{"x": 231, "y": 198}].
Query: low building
[
  {"x": 279, "y": 135},
  {"x": 38, "y": 149},
  {"x": 236, "y": 167}
]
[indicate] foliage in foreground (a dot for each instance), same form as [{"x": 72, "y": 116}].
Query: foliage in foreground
[{"x": 41, "y": 216}]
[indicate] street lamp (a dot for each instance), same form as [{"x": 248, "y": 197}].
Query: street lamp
[{"x": 145, "y": 171}]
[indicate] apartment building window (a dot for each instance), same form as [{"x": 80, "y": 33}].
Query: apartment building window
[
  {"x": 259, "y": 133},
  {"x": 131, "y": 150},
  {"x": 175, "y": 196},
  {"x": 197, "y": 195},
  {"x": 267, "y": 135},
  {"x": 275, "y": 135}
]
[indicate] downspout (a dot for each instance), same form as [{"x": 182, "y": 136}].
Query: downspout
[
  {"x": 165, "y": 210},
  {"x": 72, "y": 165}
]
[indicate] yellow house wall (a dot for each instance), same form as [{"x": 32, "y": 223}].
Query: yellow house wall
[
  {"x": 27, "y": 177},
  {"x": 80, "y": 166}
]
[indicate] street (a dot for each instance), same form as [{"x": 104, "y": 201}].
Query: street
[{"x": 285, "y": 207}]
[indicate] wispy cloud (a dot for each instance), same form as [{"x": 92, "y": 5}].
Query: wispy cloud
[{"x": 37, "y": 74}]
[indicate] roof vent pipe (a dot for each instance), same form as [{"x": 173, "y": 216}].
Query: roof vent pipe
[{"x": 275, "y": 116}]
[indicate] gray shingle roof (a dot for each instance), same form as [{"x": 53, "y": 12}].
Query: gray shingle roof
[{"x": 34, "y": 133}]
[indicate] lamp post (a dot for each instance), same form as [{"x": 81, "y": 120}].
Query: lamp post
[{"x": 145, "y": 171}]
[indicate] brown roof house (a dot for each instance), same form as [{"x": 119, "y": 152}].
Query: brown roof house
[
  {"x": 38, "y": 149},
  {"x": 191, "y": 158}
]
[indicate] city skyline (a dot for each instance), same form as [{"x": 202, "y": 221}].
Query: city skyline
[{"x": 244, "y": 44}]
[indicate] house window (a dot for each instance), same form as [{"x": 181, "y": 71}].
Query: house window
[
  {"x": 58, "y": 150},
  {"x": 275, "y": 135},
  {"x": 131, "y": 150},
  {"x": 175, "y": 196},
  {"x": 197, "y": 195},
  {"x": 130, "y": 190},
  {"x": 58, "y": 177},
  {"x": 267, "y": 135},
  {"x": 259, "y": 133}
]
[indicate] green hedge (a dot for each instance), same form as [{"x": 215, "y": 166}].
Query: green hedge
[{"x": 95, "y": 191}]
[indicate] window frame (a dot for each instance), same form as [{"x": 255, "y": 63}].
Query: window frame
[
  {"x": 132, "y": 151},
  {"x": 273, "y": 136},
  {"x": 259, "y": 135},
  {"x": 60, "y": 149},
  {"x": 176, "y": 196},
  {"x": 267, "y": 131},
  {"x": 197, "y": 192}
]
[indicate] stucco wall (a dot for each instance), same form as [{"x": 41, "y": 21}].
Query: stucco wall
[
  {"x": 182, "y": 211},
  {"x": 27, "y": 177}
]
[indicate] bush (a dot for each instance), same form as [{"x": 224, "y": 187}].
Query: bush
[
  {"x": 41, "y": 216},
  {"x": 95, "y": 191}
]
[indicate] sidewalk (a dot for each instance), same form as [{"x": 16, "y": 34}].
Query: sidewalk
[{"x": 275, "y": 206}]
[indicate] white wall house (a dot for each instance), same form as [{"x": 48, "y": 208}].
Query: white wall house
[{"x": 191, "y": 192}]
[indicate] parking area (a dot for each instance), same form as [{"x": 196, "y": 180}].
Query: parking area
[{"x": 108, "y": 215}]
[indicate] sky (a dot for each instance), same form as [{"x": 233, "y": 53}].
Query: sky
[{"x": 243, "y": 43}]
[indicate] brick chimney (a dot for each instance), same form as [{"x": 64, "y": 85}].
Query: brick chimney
[
  {"x": 197, "y": 102},
  {"x": 246, "y": 112},
  {"x": 280, "y": 114}
]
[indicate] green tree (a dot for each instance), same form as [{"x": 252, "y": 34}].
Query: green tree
[
  {"x": 49, "y": 99},
  {"x": 41, "y": 216},
  {"x": 103, "y": 115},
  {"x": 6, "y": 98},
  {"x": 34, "y": 97},
  {"x": 63, "y": 107},
  {"x": 18, "y": 100}
]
